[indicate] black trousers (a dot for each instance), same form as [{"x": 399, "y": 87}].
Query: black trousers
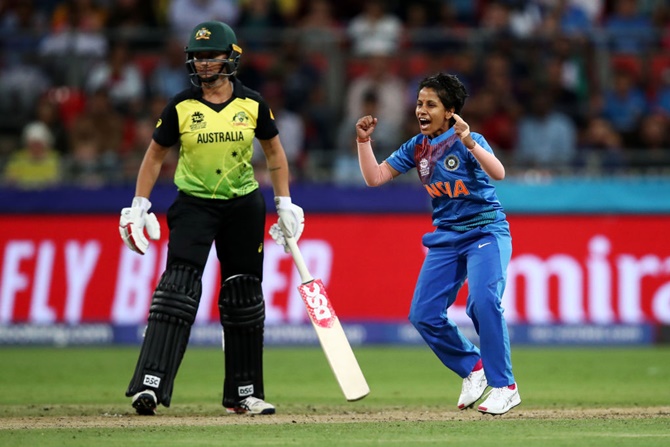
[{"x": 236, "y": 226}]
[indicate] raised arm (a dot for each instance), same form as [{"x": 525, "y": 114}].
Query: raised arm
[
  {"x": 374, "y": 173},
  {"x": 489, "y": 162}
]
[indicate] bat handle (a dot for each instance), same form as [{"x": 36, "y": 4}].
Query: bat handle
[{"x": 298, "y": 260}]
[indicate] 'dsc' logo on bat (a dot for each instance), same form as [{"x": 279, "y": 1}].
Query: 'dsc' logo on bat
[{"x": 318, "y": 304}]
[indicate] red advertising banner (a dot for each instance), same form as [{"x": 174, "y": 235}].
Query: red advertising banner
[{"x": 564, "y": 269}]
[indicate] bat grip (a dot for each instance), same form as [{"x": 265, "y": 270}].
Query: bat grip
[{"x": 298, "y": 260}]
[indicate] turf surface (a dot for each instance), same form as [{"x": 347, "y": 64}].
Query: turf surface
[{"x": 585, "y": 397}]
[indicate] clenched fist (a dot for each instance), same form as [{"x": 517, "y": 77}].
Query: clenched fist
[{"x": 364, "y": 127}]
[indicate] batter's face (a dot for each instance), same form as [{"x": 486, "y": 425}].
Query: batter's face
[
  {"x": 207, "y": 63},
  {"x": 432, "y": 115}
]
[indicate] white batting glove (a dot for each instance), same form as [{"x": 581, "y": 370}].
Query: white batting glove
[
  {"x": 133, "y": 222},
  {"x": 278, "y": 236},
  {"x": 292, "y": 218}
]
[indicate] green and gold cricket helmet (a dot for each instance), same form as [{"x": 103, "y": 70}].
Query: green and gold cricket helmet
[{"x": 217, "y": 37}]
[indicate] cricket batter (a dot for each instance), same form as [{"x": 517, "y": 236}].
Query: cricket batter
[
  {"x": 219, "y": 202},
  {"x": 471, "y": 240}
]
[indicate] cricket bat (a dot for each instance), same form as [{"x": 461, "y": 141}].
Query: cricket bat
[{"x": 329, "y": 330}]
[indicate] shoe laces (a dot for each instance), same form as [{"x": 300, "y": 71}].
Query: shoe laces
[
  {"x": 252, "y": 401},
  {"x": 501, "y": 393},
  {"x": 249, "y": 400},
  {"x": 469, "y": 381}
]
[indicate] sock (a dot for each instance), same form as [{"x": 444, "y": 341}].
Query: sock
[{"x": 479, "y": 365}]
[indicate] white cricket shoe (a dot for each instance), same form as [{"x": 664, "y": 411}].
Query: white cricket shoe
[
  {"x": 145, "y": 403},
  {"x": 252, "y": 405},
  {"x": 473, "y": 389},
  {"x": 500, "y": 400}
]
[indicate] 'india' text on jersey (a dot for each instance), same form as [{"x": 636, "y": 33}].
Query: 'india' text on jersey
[{"x": 461, "y": 193}]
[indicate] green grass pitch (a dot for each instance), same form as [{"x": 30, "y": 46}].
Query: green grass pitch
[{"x": 601, "y": 396}]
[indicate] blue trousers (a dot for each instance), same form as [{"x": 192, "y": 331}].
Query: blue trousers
[{"x": 481, "y": 255}]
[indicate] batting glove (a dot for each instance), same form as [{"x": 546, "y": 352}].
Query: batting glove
[
  {"x": 133, "y": 222},
  {"x": 278, "y": 236},
  {"x": 291, "y": 221}
]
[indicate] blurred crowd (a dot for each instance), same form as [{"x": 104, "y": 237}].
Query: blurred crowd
[{"x": 558, "y": 87}]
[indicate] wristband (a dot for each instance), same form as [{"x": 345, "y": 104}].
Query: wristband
[{"x": 364, "y": 140}]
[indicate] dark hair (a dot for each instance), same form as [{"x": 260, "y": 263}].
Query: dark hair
[{"x": 449, "y": 89}]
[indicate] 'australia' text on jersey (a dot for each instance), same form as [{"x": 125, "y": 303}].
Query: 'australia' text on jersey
[{"x": 219, "y": 137}]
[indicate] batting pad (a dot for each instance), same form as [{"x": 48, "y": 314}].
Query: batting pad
[
  {"x": 171, "y": 315},
  {"x": 242, "y": 313}
]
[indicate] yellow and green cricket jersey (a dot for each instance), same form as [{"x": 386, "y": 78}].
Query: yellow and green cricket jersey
[{"x": 216, "y": 140}]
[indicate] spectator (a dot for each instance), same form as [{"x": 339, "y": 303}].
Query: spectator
[
  {"x": 624, "y": 105},
  {"x": 131, "y": 18},
  {"x": 464, "y": 66},
  {"x": 120, "y": 77},
  {"x": 320, "y": 132},
  {"x": 87, "y": 167},
  {"x": 346, "y": 168},
  {"x": 497, "y": 108},
  {"x": 660, "y": 99},
  {"x": 85, "y": 15},
  {"x": 47, "y": 112},
  {"x": 429, "y": 64},
  {"x": 319, "y": 31},
  {"x": 37, "y": 165},
  {"x": 418, "y": 35},
  {"x": 489, "y": 115},
  {"x": 289, "y": 10},
  {"x": 390, "y": 91},
  {"x": 628, "y": 30},
  {"x": 375, "y": 31},
  {"x": 601, "y": 147},
  {"x": 566, "y": 100},
  {"x": 21, "y": 85},
  {"x": 74, "y": 44},
  {"x": 504, "y": 75},
  {"x": 450, "y": 31},
  {"x": 142, "y": 131},
  {"x": 464, "y": 11},
  {"x": 183, "y": 15},
  {"x": 495, "y": 19},
  {"x": 525, "y": 17},
  {"x": 168, "y": 78},
  {"x": 653, "y": 140},
  {"x": 573, "y": 57},
  {"x": 546, "y": 137},
  {"x": 99, "y": 122},
  {"x": 291, "y": 128},
  {"x": 21, "y": 28},
  {"x": 297, "y": 74},
  {"x": 573, "y": 18},
  {"x": 259, "y": 20},
  {"x": 90, "y": 15}
]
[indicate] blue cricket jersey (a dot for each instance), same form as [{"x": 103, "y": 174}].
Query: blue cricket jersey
[{"x": 462, "y": 194}]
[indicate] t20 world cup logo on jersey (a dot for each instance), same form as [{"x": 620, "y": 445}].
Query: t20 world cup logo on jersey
[
  {"x": 198, "y": 121},
  {"x": 426, "y": 155},
  {"x": 318, "y": 304}
]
